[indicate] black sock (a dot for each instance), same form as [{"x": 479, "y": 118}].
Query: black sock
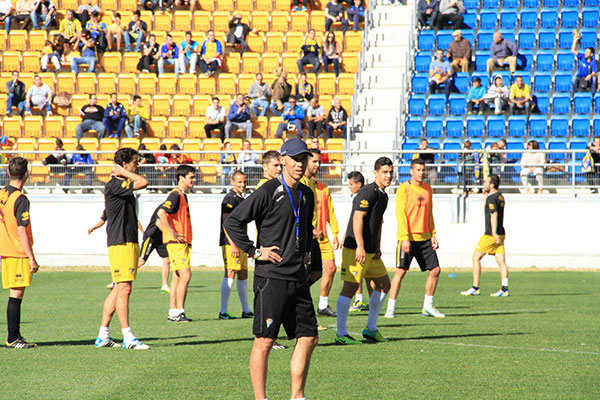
[
  {"x": 476, "y": 287},
  {"x": 505, "y": 288},
  {"x": 13, "y": 318}
]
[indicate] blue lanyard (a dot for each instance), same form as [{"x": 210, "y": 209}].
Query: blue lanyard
[{"x": 296, "y": 212}]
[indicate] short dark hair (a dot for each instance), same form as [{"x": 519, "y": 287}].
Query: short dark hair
[
  {"x": 117, "y": 15},
  {"x": 125, "y": 155},
  {"x": 114, "y": 94},
  {"x": 136, "y": 97},
  {"x": 91, "y": 94},
  {"x": 188, "y": 33},
  {"x": 17, "y": 168},
  {"x": 292, "y": 97},
  {"x": 142, "y": 147},
  {"x": 95, "y": 14},
  {"x": 270, "y": 155},
  {"x": 86, "y": 32},
  {"x": 169, "y": 36},
  {"x": 59, "y": 143},
  {"x": 315, "y": 151},
  {"x": 534, "y": 144},
  {"x": 592, "y": 50},
  {"x": 138, "y": 13},
  {"x": 214, "y": 98},
  {"x": 477, "y": 80},
  {"x": 417, "y": 161},
  {"x": 184, "y": 170},
  {"x": 381, "y": 161},
  {"x": 495, "y": 180},
  {"x": 357, "y": 177},
  {"x": 303, "y": 74},
  {"x": 237, "y": 173}
]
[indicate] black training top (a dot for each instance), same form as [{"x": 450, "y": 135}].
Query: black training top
[
  {"x": 230, "y": 202},
  {"x": 372, "y": 200},
  {"x": 95, "y": 113},
  {"x": 152, "y": 229},
  {"x": 494, "y": 203},
  {"x": 120, "y": 209},
  {"x": 272, "y": 210}
]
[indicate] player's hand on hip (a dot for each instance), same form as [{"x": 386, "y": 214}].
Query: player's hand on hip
[
  {"x": 406, "y": 246},
  {"x": 235, "y": 252},
  {"x": 497, "y": 239},
  {"x": 269, "y": 254},
  {"x": 318, "y": 233},
  {"x": 335, "y": 243},
  {"x": 361, "y": 255},
  {"x": 377, "y": 255},
  {"x": 434, "y": 243},
  {"x": 33, "y": 266},
  {"x": 179, "y": 237}
]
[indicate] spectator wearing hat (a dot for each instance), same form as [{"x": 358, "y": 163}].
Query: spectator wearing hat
[{"x": 459, "y": 52}]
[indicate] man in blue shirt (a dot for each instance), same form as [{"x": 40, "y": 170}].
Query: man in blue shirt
[
  {"x": 475, "y": 101},
  {"x": 503, "y": 53},
  {"x": 293, "y": 115},
  {"x": 79, "y": 164},
  {"x": 169, "y": 54},
  {"x": 188, "y": 54},
  {"x": 356, "y": 13},
  {"x": 87, "y": 47},
  {"x": 587, "y": 68},
  {"x": 136, "y": 30},
  {"x": 115, "y": 117},
  {"x": 43, "y": 11},
  {"x": 239, "y": 117},
  {"x": 440, "y": 74}
]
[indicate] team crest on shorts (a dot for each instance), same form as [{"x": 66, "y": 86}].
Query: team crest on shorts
[
  {"x": 269, "y": 322},
  {"x": 131, "y": 270},
  {"x": 183, "y": 260}
]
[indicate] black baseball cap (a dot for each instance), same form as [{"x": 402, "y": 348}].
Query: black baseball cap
[{"x": 293, "y": 147}]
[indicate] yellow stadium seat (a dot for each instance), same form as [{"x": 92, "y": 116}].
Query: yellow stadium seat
[
  {"x": 163, "y": 21},
  {"x": 4, "y": 78},
  {"x": 3, "y": 40},
  {"x": 202, "y": 20},
  {"x": 146, "y": 100},
  {"x": 270, "y": 62},
  {"x": 157, "y": 127},
  {"x": 17, "y": 40},
  {"x": 170, "y": 141},
  {"x": 227, "y": 84},
  {"x": 289, "y": 62},
  {"x": 336, "y": 144},
  {"x": 274, "y": 41},
  {"x": 107, "y": 16},
  {"x": 177, "y": 127},
  {"x": 26, "y": 144},
  {"x": 179, "y": 36},
  {"x": 37, "y": 39},
  {"x": 232, "y": 63},
  {"x": 260, "y": 126},
  {"x": 182, "y": 20},
  {"x": 89, "y": 143},
  {"x": 207, "y": 172},
  {"x": 130, "y": 61},
  {"x": 3, "y": 100},
  {"x": 181, "y": 104},
  {"x": 161, "y": 36},
  {"x": 31, "y": 61},
  {"x": 112, "y": 61},
  {"x": 211, "y": 145},
  {"x": 86, "y": 82},
  {"x": 207, "y": 5},
  {"x": 46, "y": 144},
  {"x": 103, "y": 170},
  {"x": 224, "y": 5},
  {"x": 124, "y": 99},
  {"x": 280, "y": 21},
  {"x": 352, "y": 41},
  {"x": 107, "y": 83},
  {"x": 109, "y": 5},
  {"x": 104, "y": 98},
  {"x": 350, "y": 62},
  {"x": 126, "y": 17},
  {"x": 273, "y": 144},
  {"x": 273, "y": 124},
  {"x": 65, "y": 82},
  {"x": 245, "y": 5},
  {"x": 187, "y": 84},
  {"x": 161, "y": 104},
  {"x": 260, "y": 21},
  {"x": 70, "y": 4},
  {"x": 11, "y": 61},
  {"x": 196, "y": 127},
  {"x": 192, "y": 145},
  {"x": 151, "y": 143},
  {"x": 236, "y": 143},
  {"x": 244, "y": 82},
  {"x": 200, "y": 104},
  {"x": 221, "y": 21},
  {"x": 250, "y": 63},
  {"x": 256, "y": 42},
  {"x": 264, "y": 5},
  {"x": 294, "y": 41},
  {"x": 70, "y": 123},
  {"x": 11, "y": 126},
  {"x": 346, "y": 84},
  {"x": 167, "y": 83},
  {"x": 40, "y": 173},
  {"x": 126, "y": 83},
  {"x": 256, "y": 143},
  {"x": 108, "y": 144},
  {"x": 128, "y": 5},
  {"x": 282, "y": 5},
  {"x": 49, "y": 78},
  {"x": 132, "y": 143},
  {"x": 298, "y": 21},
  {"x": 78, "y": 101},
  {"x": 147, "y": 83},
  {"x": 207, "y": 85},
  {"x": 70, "y": 143},
  {"x": 225, "y": 101},
  {"x": 317, "y": 20},
  {"x": 53, "y": 125},
  {"x": 326, "y": 84},
  {"x": 220, "y": 36}
]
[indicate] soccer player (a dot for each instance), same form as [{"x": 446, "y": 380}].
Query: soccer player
[
  {"x": 123, "y": 247},
  {"x": 176, "y": 226},
  {"x": 361, "y": 254},
  {"x": 153, "y": 240},
  {"x": 283, "y": 210},
  {"x": 16, "y": 241},
  {"x": 492, "y": 241},
  {"x": 271, "y": 164},
  {"x": 234, "y": 260},
  {"x": 324, "y": 214},
  {"x": 416, "y": 237}
]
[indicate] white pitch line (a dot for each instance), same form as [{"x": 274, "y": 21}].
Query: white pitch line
[{"x": 489, "y": 346}]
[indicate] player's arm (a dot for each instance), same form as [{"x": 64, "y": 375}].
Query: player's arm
[
  {"x": 225, "y": 211},
  {"x": 314, "y": 276},
  {"x": 139, "y": 182},
  {"x": 402, "y": 219},
  {"x": 98, "y": 225},
  {"x": 434, "y": 242},
  {"x": 333, "y": 222},
  {"x": 357, "y": 226},
  {"x": 22, "y": 214},
  {"x": 140, "y": 227},
  {"x": 170, "y": 206},
  {"x": 494, "y": 223}
]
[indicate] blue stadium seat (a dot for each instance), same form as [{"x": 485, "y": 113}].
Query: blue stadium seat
[
  {"x": 414, "y": 127},
  {"x": 434, "y": 127},
  {"x": 452, "y": 145},
  {"x": 589, "y": 37},
  {"x": 511, "y": 3},
  {"x": 542, "y": 81},
  {"x": 544, "y": 60},
  {"x": 404, "y": 171},
  {"x": 569, "y": 17},
  {"x": 458, "y": 104},
  {"x": 475, "y": 126},
  {"x": 505, "y": 74},
  {"x": 461, "y": 81},
  {"x": 589, "y": 17},
  {"x": 581, "y": 125},
  {"x": 469, "y": 34},
  {"x": 437, "y": 104},
  {"x": 422, "y": 61},
  {"x": 597, "y": 102},
  {"x": 529, "y": 18},
  {"x": 538, "y": 126},
  {"x": 557, "y": 144},
  {"x": 549, "y": 17},
  {"x": 471, "y": 3},
  {"x": 525, "y": 60},
  {"x": 514, "y": 144},
  {"x": 484, "y": 76},
  {"x": 596, "y": 125},
  {"x": 526, "y": 39},
  {"x": 454, "y": 127},
  {"x": 470, "y": 20},
  {"x": 412, "y": 144},
  {"x": 561, "y": 103},
  {"x": 444, "y": 38},
  {"x": 508, "y": 34},
  {"x": 420, "y": 82},
  {"x": 547, "y": 38},
  {"x": 571, "y": 3},
  {"x": 436, "y": 144},
  {"x": 541, "y": 143},
  {"x": 543, "y": 102},
  {"x": 578, "y": 144},
  {"x": 491, "y": 4},
  {"x": 564, "y": 60},
  {"x": 484, "y": 39},
  {"x": 531, "y": 3},
  {"x": 526, "y": 77},
  {"x": 481, "y": 57},
  {"x": 562, "y": 81},
  {"x": 496, "y": 125},
  {"x": 559, "y": 126},
  {"x": 517, "y": 125},
  {"x": 582, "y": 103},
  {"x": 551, "y": 3},
  {"x": 488, "y": 19},
  {"x": 591, "y": 3},
  {"x": 416, "y": 104},
  {"x": 426, "y": 40},
  {"x": 509, "y": 19},
  {"x": 565, "y": 38}
]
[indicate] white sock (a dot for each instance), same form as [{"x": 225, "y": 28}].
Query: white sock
[
  {"x": 428, "y": 302},
  {"x": 375, "y": 303},
  {"x": 173, "y": 312},
  {"x": 505, "y": 282},
  {"x": 303, "y": 398},
  {"x": 358, "y": 297},
  {"x": 323, "y": 302},
  {"x": 391, "y": 305},
  {"x": 343, "y": 308},
  {"x": 127, "y": 335},
  {"x": 103, "y": 334},
  {"x": 242, "y": 288},
  {"x": 225, "y": 292}
]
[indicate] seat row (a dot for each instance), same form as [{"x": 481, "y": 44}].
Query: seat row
[
  {"x": 488, "y": 4},
  {"x": 547, "y": 17}
]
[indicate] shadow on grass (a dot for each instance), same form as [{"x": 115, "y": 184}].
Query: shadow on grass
[
  {"x": 552, "y": 294},
  {"x": 200, "y": 342},
  {"x": 90, "y": 342},
  {"x": 493, "y": 314},
  {"x": 157, "y": 288},
  {"x": 407, "y": 325}
]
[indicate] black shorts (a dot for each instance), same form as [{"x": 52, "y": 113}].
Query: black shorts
[
  {"x": 422, "y": 251},
  {"x": 151, "y": 242},
  {"x": 315, "y": 262},
  {"x": 278, "y": 302}
]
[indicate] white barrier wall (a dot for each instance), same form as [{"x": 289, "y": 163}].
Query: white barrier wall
[{"x": 542, "y": 231}]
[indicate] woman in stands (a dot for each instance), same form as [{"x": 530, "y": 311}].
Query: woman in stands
[
  {"x": 331, "y": 53},
  {"x": 497, "y": 94},
  {"x": 532, "y": 163}
]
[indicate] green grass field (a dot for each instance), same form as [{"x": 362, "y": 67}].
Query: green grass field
[{"x": 543, "y": 342}]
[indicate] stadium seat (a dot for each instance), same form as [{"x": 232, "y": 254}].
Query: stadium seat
[
  {"x": 346, "y": 83},
  {"x": 475, "y": 126},
  {"x": 569, "y": 17},
  {"x": 561, "y": 103},
  {"x": 471, "y": 3},
  {"x": 53, "y": 126},
  {"x": 420, "y": 82},
  {"x": 65, "y": 82},
  {"x": 86, "y": 82},
  {"x": 177, "y": 127},
  {"x": 434, "y": 127},
  {"x": 147, "y": 83},
  {"x": 409, "y": 145},
  {"x": 582, "y": 103},
  {"x": 317, "y": 20},
  {"x": 542, "y": 81},
  {"x": 201, "y": 20},
  {"x": 454, "y": 127},
  {"x": 444, "y": 38},
  {"x": 578, "y": 144},
  {"x": 549, "y": 17},
  {"x": 589, "y": 17},
  {"x": 163, "y": 21},
  {"x": 220, "y": 20},
  {"x": 508, "y": 19},
  {"x": 557, "y": 144},
  {"x": 481, "y": 57},
  {"x": 32, "y": 126},
  {"x": 596, "y": 125},
  {"x": 130, "y": 62},
  {"x": 543, "y": 102},
  {"x": 511, "y": 3},
  {"x": 538, "y": 125},
  {"x": 589, "y": 37},
  {"x": 564, "y": 60},
  {"x": 416, "y": 105},
  {"x": 517, "y": 145},
  {"x": 298, "y": 21},
  {"x": 422, "y": 61},
  {"x": 591, "y": 3},
  {"x": 461, "y": 81},
  {"x": 597, "y": 102},
  {"x": 273, "y": 144},
  {"x": 547, "y": 38},
  {"x": 161, "y": 104},
  {"x": 470, "y": 20},
  {"x": 426, "y": 40},
  {"x": 496, "y": 125},
  {"x": 529, "y": 18},
  {"x": 517, "y": 125},
  {"x": 414, "y": 127},
  {"x": 157, "y": 127},
  {"x": 436, "y": 104},
  {"x": 325, "y": 84},
  {"x": 581, "y": 125},
  {"x": 559, "y": 126},
  {"x": 182, "y": 20},
  {"x": 484, "y": 39},
  {"x": 207, "y": 85},
  {"x": 11, "y": 61},
  {"x": 531, "y": 3},
  {"x": 488, "y": 19},
  {"x": 545, "y": 60},
  {"x": 525, "y": 61},
  {"x": 232, "y": 63},
  {"x": 457, "y": 104},
  {"x": 107, "y": 83},
  {"x": 526, "y": 39},
  {"x": 181, "y": 104},
  {"x": 274, "y": 41},
  {"x": 37, "y": 39},
  {"x": 226, "y": 84}
]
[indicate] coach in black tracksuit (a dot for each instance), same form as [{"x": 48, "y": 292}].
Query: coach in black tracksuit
[{"x": 283, "y": 210}]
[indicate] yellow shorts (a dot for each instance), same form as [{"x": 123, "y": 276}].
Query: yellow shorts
[
  {"x": 234, "y": 263},
  {"x": 326, "y": 249},
  {"x": 488, "y": 245},
  {"x": 16, "y": 272},
  {"x": 124, "y": 260},
  {"x": 179, "y": 255},
  {"x": 355, "y": 272}
]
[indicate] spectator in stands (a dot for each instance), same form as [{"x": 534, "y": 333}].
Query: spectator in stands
[
  {"x": 468, "y": 161},
  {"x": 98, "y": 31},
  {"x": 497, "y": 94},
  {"x": 79, "y": 163},
  {"x": 459, "y": 52},
  {"x": 310, "y": 53},
  {"x": 39, "y": 95},
  {"x": 215, "y": 118},
  {"x": 137, "y": 118},
  {"x": 427, "y": 11},
  {"x": 87, "y": 47},
  {"x": 587, "y": 68},
  {"x": 450, "y": 11},
  {"x": 169, "y": 54},
  {"x": 475, "y": 101},
  {"x": 150, "y": 55},
  {"x": 337, "y": 119},
  {"x": 532, "y": 163},
  {"x": 23, "y": 16},
  {"x": 497, "y": 158},
  {"x": 520, "y": 97},
  {"x": 429, "y": 159},
  {"x": 70, "y": 28},
  {"x": 331, "y": 53},
  {"x": 56, "y": 158},
  {"x": 43, "y": 11},
  {"x": 211, "y": 54},
  {"x": 6, "y": 8},
  {"x": 440, "y": 73},
  {"x": 315, "y": 118},
  {"x": 281, "y": 91},
  {"x": 179, "y": 158},
  {"x": 150, "y": 5},
  {"x": 260, "y": 93},
  {"x": 16, "y": 94},
  {"x": 115, "y": 32},
  {"x": 227, "y": 158},
  {"x": 191, "y": 2},
  {"x": 293, "y": 115},
  {"x": 91, "y": 118},
  {"x": 504, "y": 53},
  {"x": 247, "y": 158},
  {"x": 115, "y": 117},
  {"x": 300, "y": 5},
  {"x": 84, "y": 11},
  {"x": 304, "y": 91},
  {"x": 315, "y": 145},
  {"x": 334, "y": 12},
  {"x": 136, "y": 30},
  {"x": 593, "y": 177},
  {"x": 188, "y": 54},
  {"x": 239, "y": 117},
  {"x": 356, "y": 13},
  {"x": 144, "y": 169},
  {"x": 238, "y": 32}
]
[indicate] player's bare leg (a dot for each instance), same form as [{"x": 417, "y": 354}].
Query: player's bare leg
[
  {"x": 16, "y": 293},
  {"x": 259, "y": 363},
  {"x": 432, "y": 281},
  {"x": 123, "y": 291},
  {"x": 300, "y": 363},
  {"x": 394, "y": 290},
  {"x": 503, "y": 274},
  {"x": 179, "y": 284},
  {"x": 326, "y": 283},
  {"x": 477, "y": 257},
  {"x": 165, "y": 272},
  {"x": 109, "y": 307}
]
